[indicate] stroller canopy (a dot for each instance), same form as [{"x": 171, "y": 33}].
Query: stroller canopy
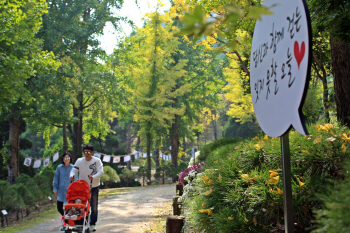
[{"x": 78, "y": 189}]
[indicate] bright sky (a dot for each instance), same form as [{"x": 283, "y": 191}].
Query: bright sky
[{"x": 132, "y": 12}]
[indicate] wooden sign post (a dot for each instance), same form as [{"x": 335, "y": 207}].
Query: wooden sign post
[{"x": 279, "y": 77}]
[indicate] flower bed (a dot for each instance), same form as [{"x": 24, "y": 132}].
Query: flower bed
[{"x": 240, "y": 187}]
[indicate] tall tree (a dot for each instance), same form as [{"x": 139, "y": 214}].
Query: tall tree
[
  {"x": 70, "y": 30},
  {"x": 331, "y": 17},
  {"x": 152, "y": 78},
  {"x": 22, "y": 58}
]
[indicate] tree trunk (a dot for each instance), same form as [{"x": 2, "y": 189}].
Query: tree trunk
[
  {"x": 65, "y": 139},
  {"x": 100, "y": 142},
  {"x": 215, "y": 128},
  {"x": 325, "y": 98},
  {"x": 184, "y": 146},
  {"x": 78, "y": 129},
  {"x": 156, "y": 155},
  {"x": 149, "y": 165},
  {"x": 128, "y": 139},
  {"x": 340, "y": 53},
  {"x": 174, "y": 140},
  {"x": 13, "y": 167}
]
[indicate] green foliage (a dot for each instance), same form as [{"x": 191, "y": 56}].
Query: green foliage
[
  {"x": 207, "y": 149},
  {"x": 3, "y": 190},
  {"x": 332, "y": 17},
  {"x": 26, "y": 195},
  {"x": 21, "y": 53},
  {"x": 153, "y": 164},
  {"x": 334, "y": 217},
  {"x": 233, "y": 128},
  {"x": 32, "y": 186},
  {"x": 144, "y": 173},
  {"x": 127, "y": 177},
  {"x": 165, "y": 170},
  {"x": 13, "y": 199},
  {"x": 44, "y": 180},
  {"x": 241, "y": 187},
  {"x": 109, "y": 175},
  {"x": 120, "y": 152},
  {"x": 229, "y": 19},
  {"x": 312, "y": 108}
]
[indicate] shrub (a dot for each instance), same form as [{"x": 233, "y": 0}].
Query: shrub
[
  {"x": 335, "y": 217},
  {"x": 120, "y": 152},
  {"x": 144, "y": 173},
  {"x": 13, "y": 200},
  {"x": 127, "y": 177},
  {"x": 153, "y": 164},
  {"x": 241, "y": 190},
  {"x": 109, "y": 176},
  {"x": 207, "y": 149}
]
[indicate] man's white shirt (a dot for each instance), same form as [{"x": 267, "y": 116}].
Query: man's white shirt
[{"x": 93, "y": 168}]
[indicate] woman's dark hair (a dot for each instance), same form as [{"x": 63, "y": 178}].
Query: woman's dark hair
[
  {"x": 88, "y": 147},
  {"x": 71, "y": 157}
]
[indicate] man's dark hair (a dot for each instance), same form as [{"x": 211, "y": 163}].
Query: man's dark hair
[
  {"x": 71, "y": 157},
  {"x": 88, "y": 147}
]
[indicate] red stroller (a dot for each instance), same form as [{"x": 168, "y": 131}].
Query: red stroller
[{"x": 78, "y": 189}]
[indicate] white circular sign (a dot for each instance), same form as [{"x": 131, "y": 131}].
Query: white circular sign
[{"x": 280, "y": 66}]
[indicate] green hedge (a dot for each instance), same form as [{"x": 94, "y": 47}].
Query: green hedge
[{"x": 208, "y": 148}]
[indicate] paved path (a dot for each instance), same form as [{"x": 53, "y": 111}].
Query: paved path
[{"x": 128, "y": 212}]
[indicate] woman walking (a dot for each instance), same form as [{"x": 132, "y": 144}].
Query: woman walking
[{"x": 61, "y": 180}]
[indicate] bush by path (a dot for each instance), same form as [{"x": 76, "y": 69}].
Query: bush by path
[{"x": 241, "y": 189}]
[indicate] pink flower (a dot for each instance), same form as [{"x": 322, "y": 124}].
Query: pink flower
[{"x": 184, "y": 173}]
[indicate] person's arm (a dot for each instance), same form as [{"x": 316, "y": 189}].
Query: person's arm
[
  {"x": 56, "y": 180},
  {"x": 99, "y": 168},
  {"x": 74, "y": 171}
]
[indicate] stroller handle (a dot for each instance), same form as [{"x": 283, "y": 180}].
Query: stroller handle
[{"x": 90, "y": 182}]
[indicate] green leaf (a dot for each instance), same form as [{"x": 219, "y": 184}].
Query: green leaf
[
  {"x": 255, "y": 12},
  {"x": 197, "y": 16}
]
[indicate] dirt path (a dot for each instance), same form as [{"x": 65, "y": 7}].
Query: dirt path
[{"x": 128, "y": 212}]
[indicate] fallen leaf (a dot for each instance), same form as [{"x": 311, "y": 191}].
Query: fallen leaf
[
  {"x": 279, "y": 191},
  {"x": 255, "y": 222},
  {"x": 257, "y": 147},
  {"x": 273, "y": 173},
  {"x": 266, "y": 138},
  {"x": 343, "y": 147},
  {"x": 274, "y": 180},
  {"x": 208, "y": 192},
  {"x": 205, "y": 179},
  {"x": 318, "y": 139},
  {"x": 300, "y": 183}
]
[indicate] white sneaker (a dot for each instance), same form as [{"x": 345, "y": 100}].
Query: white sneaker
[{"x": 92, "y": 228}]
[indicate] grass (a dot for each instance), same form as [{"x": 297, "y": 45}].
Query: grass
[
  {"x": 36, "y": 218},
  {"x": 33, "y": 220}
]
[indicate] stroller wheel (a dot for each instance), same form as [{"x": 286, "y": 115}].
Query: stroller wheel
[{"x": 87, "y": 230}]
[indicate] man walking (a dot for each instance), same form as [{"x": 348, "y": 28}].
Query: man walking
[{"x": 90, "y": 169}]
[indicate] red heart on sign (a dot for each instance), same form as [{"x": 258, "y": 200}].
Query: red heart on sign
[{"x": 299, "y": 54}]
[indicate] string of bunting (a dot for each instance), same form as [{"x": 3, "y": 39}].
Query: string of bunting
[
  {"x": 116, "y": 159},
  {"x": 37, "y": 162},
  {"x": 106, "y": 158}
]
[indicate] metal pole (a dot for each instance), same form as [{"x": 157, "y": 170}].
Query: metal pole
[{"x": 287, "y": 185}]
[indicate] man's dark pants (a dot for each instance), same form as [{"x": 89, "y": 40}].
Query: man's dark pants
[{"x": 94, "y": 202}]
